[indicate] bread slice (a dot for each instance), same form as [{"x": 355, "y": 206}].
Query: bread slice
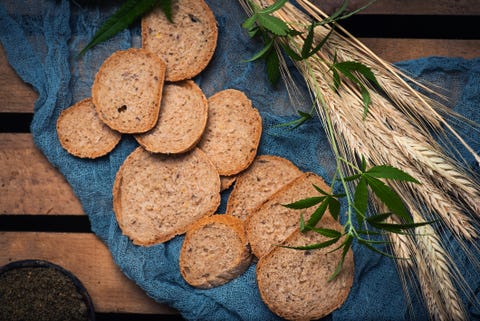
[
  {"x": 296, "y": 285},
  {"x": 271, "y": 223},
  {"x": 83, "y": 134},
  {"x": 127, "y": 90},
  {"x": 186, "y": 45},
  {"x": 215, "y": 251},
  {"x": 181, "y": 122},
  {"x": 233, "y": 132},
  {"x": 266, "y": 175},
  {"x": 156, "y": 197}
]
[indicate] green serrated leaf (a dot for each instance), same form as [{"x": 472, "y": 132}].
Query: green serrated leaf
[
  {"x": 374, "y": 249},
  {"x": 361, "y": 198},
  {"x": 319, "y": 46},
  {"x": 365, "y": 99},
  {"x": 319, "y": 212},
  {"x": 389, "y": 197},
  {"x": 273, "y": 24},
  {"x": 308, "y": 42},
  {"x": 320, "y": 190},
  {"x": 347, "y": 244},
  {"x": 302, "y": 223},
  {"x": 327, "y": 232},
  {"x": 263, "y": 52},
  {"x": 273, "y": 66},
  {"x": 334, "y": 208},
  {"x": 305, "y": 203},
  {"x": 130, "y": 11},
  {"x": 397, "y": 228},
  {"x": 249, "y": 23},
  {"x": 313, "y": 246},
  {"x": 377, "y": 218},
  {"x": 166, "y": 6},
  {"x": 390, "y": 172}
]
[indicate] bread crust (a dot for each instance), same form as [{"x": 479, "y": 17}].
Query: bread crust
[
  {"x": 187, "y": 45},
  {"x": 296, "y": 285},
  {"x": 127, "y": 90},
  {"x": 82, "y": 133},
  {"x": 225, "y": 255},
  {"x": 233, "y": 131},
  {"x": 181, "y": 121},
  {"x": 156, "y": 197},
  {"x": 266, "y": 175}
]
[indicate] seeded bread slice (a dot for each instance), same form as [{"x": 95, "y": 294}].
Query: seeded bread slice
[
  {"x": 156, "y": 197},
  {"x": 296, "y": 285},
  {"x": 181, "y": 122},
  {"x": 186, "y": 45},
  {"x": 263, "y": 178},
  {"x": 271, "y": 223},
  {"x": 215, "y": 251},
  {"x": 83, "y": 134},
  {"x": 233, "y": 131},
  {"x": 127, "y": 90}
]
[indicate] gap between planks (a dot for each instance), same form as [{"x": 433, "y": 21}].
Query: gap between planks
[{"x": 88, "y": 259}]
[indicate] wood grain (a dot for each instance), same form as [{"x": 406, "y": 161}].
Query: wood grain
[
  {"x": 394, "y": 50},
  {"x": 15, "y": 95},
  {"x": 88, "y": 258},
  {"x": 438, "y": 7},
  {"x": 29, "y": 184}
]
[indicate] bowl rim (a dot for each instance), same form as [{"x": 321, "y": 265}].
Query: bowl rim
[{"x": 40, "y": 263}]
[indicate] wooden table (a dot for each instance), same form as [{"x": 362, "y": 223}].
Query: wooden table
[{"x": 40, "y": 217}]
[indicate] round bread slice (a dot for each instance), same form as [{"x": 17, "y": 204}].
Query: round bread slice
[
  {"x": 181, "y": 122},
  {"x": 127, "y": 90},
  {"x": 156, "y": 197},
  {"x": 272, "y": 222},
  {"x": 233, "y": 132},
  {"x": 214, "y": 252},
  {"x": 83, "y": 134},
  {"x": 186, "y": 45},
  {"x": 297, "y": 284},
  {"x": 266, "y": 175}
]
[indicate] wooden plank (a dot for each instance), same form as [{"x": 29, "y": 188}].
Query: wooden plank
[
  {"x": 411, "y": 7},
  {"x": 87, "y": 258},
  {"x": 394, "y": 50},
  {"x": 15, "y": 95},
  {"x": 29, "y": 184}
]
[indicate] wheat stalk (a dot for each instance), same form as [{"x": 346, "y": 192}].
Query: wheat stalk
[
  {"x": 435, "y": 263},
  {"x": 398, "y": 131}
]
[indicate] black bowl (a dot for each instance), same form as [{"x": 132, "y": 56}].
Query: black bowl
[{"x": 45, "y": 264}]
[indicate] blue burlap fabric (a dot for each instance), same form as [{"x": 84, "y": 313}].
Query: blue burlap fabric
[{"x": 42, "y": 39}]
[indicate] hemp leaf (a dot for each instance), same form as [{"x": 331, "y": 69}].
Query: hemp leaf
[
  {"x": 350, "y": 69},
  {"x": 368, "y": 180},
  {"x": 128, "y": 13}
]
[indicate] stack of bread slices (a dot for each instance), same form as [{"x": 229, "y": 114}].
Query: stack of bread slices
[{"x": 190, "y": 149}]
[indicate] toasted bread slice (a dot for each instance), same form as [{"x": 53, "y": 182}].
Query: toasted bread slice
[
  {"x": 215, "y": 251},
  {"x": 181, "y": 122},
  {"x": 297, "y": 284},
  {"x": 271, "y": 222},
  {"x": 156, "y": 197},
  {"x": 186, "y": 45},
  {"x": 83, "y": 134},
  {"x": 233, "y": 132},
  {"x": 127, "y": 90},
  {"x": 266, "y": 175}
]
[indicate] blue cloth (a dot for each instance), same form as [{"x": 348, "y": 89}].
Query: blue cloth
[{"x": 42, "y": 39}]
